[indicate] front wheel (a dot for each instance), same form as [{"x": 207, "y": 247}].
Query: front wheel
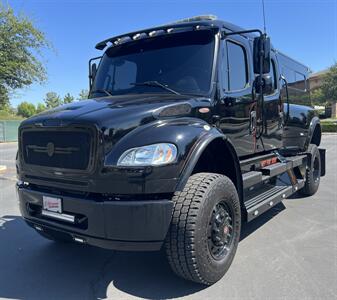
[{"x": 205, "y": 228}]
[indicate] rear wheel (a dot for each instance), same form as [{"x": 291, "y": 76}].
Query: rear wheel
[
  {"x": 313, "y": 172},
  {"x": 205, "y": 228}
]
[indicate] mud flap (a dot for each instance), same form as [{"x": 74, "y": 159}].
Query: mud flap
[{"x": 322, "y": 155}]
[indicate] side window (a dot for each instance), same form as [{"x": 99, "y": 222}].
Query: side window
[
  {"x": 235, "y": 67},
  {"x": 289, "y": 74},
  {"x": 300, "y": 81}
]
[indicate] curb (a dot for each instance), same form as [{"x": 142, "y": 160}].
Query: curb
[{"x": 3, "y": 168}]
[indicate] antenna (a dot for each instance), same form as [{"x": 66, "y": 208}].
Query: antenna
[{"x": 264, "y": 18}]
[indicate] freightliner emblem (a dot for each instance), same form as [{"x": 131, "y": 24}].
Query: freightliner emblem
[{"x": 50, "y": 149}]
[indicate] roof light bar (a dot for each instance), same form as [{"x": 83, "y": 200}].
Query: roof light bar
[{"x": 178, "y": 26}]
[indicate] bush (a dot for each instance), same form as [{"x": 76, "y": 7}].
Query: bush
[
  {"x": 5, "y": 115},
  {"x": 26, "y": 109},
  {"x": 329, "y": 127}
]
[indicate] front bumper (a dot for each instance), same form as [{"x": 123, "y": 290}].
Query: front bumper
[{"x": 119, "y": 225}]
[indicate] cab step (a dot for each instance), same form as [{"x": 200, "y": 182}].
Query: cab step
[
  {"x": 259, "y": 204},
  {"x": 254, "y": 177},
  {"x": 251, "y": 178}
]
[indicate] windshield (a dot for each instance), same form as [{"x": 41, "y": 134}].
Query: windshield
[{"x": 182, "y": 62}]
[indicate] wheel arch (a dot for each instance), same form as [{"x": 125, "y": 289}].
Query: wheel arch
[
  {"x": 314, "y": 132},
  {"x": 214, "y": 154}
]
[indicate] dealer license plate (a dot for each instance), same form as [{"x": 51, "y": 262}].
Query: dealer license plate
[{"x": 52, "y": 204}]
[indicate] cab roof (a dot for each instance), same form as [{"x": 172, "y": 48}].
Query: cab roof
[{"x": 188, "y": 24}]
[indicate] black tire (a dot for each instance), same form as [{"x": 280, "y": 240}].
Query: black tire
[
  {"x": 192, "y": 246},
  {"x": 313, "y": 172}
]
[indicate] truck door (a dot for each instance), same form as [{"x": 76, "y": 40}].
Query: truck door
[
  {"x": 273, "y": 111},
  {"x": 236, "y": 108}
]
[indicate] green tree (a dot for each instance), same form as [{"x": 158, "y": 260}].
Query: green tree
[
  {"x": 317, "y": 97},
  {"x": 26, "y": 109},
  {"x": 20, "y": 53},
  {"x": 40, "y": 107},
  {"x": 52, "y": 100},
  {"x": 329, "y": 86},
  {"x": 4, "y": 99},
  {"x": 83, "y": 95},
  {"x": 68, "y": 98}
]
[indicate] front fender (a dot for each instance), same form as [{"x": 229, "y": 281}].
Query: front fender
[
  {"x": 199, "y": 148},
  {"x": 183, "y": 132}
]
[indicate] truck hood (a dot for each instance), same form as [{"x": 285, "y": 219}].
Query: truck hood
[{"x": 126, "y": 111}]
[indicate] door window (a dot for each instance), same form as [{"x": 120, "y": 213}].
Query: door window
[{"x": 234, "y": 67}]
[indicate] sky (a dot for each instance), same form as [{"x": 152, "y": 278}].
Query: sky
[{"x": 303, "y": 29}]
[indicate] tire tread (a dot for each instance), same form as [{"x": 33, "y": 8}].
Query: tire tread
[{"x": 180, "y": 243}]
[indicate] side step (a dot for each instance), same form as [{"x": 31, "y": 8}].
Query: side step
[
  {"x": 254, "y": 177},
  {"x": 264, "y": 201}
]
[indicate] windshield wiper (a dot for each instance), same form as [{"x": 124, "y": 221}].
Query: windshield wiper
[
  {"x": 102, "y": 91},
  {"x": 157, "y": 84}
]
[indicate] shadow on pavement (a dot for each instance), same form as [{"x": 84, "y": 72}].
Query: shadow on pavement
[
  {"x": 32, "y": 267},
  {"x": 35, "y": 268},
  {"x": 249, "y": 228}
]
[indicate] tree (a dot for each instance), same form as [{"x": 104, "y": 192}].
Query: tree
[
  {"x": 68, "y": 98},
  {"x": 317, "y": 96},
  {"x": 329, "y": 86},
  {"x": 4, "y": 99},
  {"x": 20, "y": 53},
  {"x": 52, "y": 100},
  {"x": 40, "y": 108},
  {"x": 83, "y": 95},
  {"x": 26, "y": 109}
]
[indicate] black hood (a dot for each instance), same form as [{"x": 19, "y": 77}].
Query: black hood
[{"x": 119, "y": 110}]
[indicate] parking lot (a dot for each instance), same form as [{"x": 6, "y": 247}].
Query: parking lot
[{"x": 288, "y": 253}]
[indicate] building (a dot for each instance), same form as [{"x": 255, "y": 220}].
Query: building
[
  {"x": 316, "y": 79},
  {"x": 315, "y": 82}
]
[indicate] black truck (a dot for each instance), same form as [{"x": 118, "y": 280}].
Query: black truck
[{"x": 190, "y": 129}]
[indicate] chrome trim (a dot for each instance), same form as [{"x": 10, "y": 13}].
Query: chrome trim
[{"x": 62, "y": 217}]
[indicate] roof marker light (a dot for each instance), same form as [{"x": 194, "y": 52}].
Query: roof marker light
[{"x": 136, "y": 36}]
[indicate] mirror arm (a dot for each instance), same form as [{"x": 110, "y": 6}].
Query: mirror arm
[
  {"x": 225, "y": 34},
  {"x": 90, "y": 74}
]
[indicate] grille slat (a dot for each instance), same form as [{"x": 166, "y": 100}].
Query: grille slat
[{"x": 57, "y": 149}]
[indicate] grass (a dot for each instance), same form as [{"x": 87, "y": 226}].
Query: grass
[
  {"x": 330, "y": 120},
  {"x": 329, "y": 125}
]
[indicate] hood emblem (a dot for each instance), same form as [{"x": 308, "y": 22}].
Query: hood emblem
[{"x": 50, "y": 149}]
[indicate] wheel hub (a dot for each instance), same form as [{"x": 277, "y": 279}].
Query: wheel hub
[{"x": 220, "y": 231}]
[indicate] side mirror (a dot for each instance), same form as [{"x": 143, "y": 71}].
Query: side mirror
[
  {"x": 267, "y": 84},
  {"x": 261, "y": 54},
  {"x": 93, "y": 71}
]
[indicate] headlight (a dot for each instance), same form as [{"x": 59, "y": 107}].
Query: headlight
[{"x": 151, "y": 155}]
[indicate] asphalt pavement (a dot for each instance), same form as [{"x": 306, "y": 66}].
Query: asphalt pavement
[{"x": 290, "y": 252}]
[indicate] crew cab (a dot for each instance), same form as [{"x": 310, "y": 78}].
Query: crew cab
[{"x": 190, "y": 129}]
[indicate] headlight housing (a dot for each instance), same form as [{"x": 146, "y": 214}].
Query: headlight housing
[{"x": 150, "y": 155}]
